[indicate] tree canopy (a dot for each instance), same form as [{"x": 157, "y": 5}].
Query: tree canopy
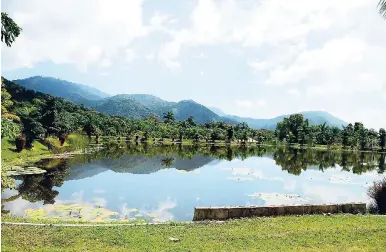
[
  {"x": 382, "y": 8},
  {"x": 9, "y": 29}
]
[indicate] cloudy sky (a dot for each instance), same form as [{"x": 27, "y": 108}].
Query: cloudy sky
[{"x": 251, "y": 58}]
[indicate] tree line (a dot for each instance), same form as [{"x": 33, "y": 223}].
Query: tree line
[
  {"x": 297, "y": 130},
  {"x": 34, "y": 115}
]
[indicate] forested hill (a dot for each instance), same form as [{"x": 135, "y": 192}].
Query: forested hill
[
  {"x": 136, "y": 106},
  {"x": 141, "y": 106},
  {"x": 68, "y": 90},
  {"x": 34, "y": 114}
]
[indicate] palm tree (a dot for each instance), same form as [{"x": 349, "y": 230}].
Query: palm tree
[
  {"x": 382, "y": 8},
  {"x": 9, "y": 29},
  {"x": 169, "y": 117}
]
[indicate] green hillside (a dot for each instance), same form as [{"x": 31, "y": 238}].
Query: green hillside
[
  {"x": 123, "y": 105},
  {"x": 71, "y": 91},
  {"x": 139, "y": 106}
]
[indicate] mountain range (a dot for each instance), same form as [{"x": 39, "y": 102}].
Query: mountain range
[{"x": 141, "y": 106}]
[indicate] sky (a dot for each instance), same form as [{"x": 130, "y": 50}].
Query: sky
[{"x": 255, "y": 58}]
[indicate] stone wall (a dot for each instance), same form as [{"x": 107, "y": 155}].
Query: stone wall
[{"x": 224, "y": 213}]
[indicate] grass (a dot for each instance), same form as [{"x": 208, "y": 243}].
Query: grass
[
  {"x": 9, "y": 155},
  {"x": 291, "y": 233}
]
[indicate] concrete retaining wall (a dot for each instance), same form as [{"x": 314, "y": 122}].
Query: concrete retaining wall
[{"x": 224, "y": 213}]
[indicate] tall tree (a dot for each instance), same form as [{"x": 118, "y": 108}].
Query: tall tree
[
  {"x": 9, "y": 29},
  {"x": 382, "y": 138},
  {"x": 169, "y": 117}
]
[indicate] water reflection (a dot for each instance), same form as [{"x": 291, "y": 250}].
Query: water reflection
[{"x": 132, "y": 182}]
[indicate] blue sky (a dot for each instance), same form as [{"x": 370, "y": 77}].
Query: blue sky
[{"x": 251, "y": 58}]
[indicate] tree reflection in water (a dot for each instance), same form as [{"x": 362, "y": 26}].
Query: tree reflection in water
[{"x": 41, "y": 187}]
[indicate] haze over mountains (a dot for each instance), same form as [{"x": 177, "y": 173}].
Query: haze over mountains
[{"x": 140, "y": 106}]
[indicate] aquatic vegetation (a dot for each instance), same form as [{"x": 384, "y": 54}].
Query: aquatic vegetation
[
  {"x": 71, "y": 212},
  {"x": 87, "y": 212},
  {"x": 18, "y": 170}
]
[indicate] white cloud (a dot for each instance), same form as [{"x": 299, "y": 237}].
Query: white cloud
[
  {"x": 158, "y": 20},
  {"x": 293, "y": 91},
  {"x": 247, "y": 104},
  {"x": 253, "y": 24},
  {"x": 201, "y": 55},
  {"x": 130, "y": 55},
  {"x": 75, "y": 32},
  {"x": 105, "y": 63},
  {"x": 150, "y": 56},
  {"x": 306, "y": 54}
]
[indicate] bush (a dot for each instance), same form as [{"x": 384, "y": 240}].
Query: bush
[
  {"x": 6, "y": 182},
  {"x": 377, "y": 193},
  {"x": 11, "y": 117},
  {"x": 52, "y": 143},
  {"x": 20, "y": 143},
  {"x": 9, "y": 128},
  {"x": 77, "y": 141}
]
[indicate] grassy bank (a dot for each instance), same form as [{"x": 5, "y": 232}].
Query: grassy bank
[
  {"x": 9, "y": 155},
  {"x": 40, "y": 150},
  {"x": 306, "y": 233}
]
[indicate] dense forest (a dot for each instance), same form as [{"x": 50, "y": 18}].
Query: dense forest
[{"x": 35, "y": 115}]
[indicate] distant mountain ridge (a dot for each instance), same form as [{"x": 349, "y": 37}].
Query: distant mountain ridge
[
  {"x": 65, "y": 89},
  {"x": 314, "y": 117},
  {"x": 137, "y": 106},
  {"x": 141, "y": 106}
]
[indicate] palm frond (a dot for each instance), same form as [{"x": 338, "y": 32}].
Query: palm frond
[{"x": 382, "y": 8}]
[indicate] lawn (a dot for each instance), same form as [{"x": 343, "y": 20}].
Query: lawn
[{"x": 291, "y": 233}]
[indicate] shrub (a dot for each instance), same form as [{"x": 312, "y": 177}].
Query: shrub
[
  {"x": 52, "y": 143},
  {"x": 377, "y": 193},
  {"x": 20, "y": 143},
  {"x": 11, "y": 117},
  {"x": 9, "y": 128},
  {"x": 78, "y": 141},
  {"x": 6, "y": 182}
]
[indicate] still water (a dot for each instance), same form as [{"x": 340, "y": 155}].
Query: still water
[{"x": 157, "y": 184}]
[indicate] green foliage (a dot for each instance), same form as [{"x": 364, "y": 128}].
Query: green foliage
[
  {"x": 9, "y": 129},
  {"x": 77, "y": 141},
  {"x": 296, "y": 130},
  {"x": 169, "y": 117},
  {"x": 6, "y": 101},
  {"x": 382, "y": 138},
  {"x": 382, "y": 8},
  {"x": 9, "y": 29},
  {"x": 6, "y": 182},
  {"x": 377, "y": 192},
  {"x": 52, "y": 143}
]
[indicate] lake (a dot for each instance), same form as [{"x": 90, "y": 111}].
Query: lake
[{"x": 164, "y": 183}]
